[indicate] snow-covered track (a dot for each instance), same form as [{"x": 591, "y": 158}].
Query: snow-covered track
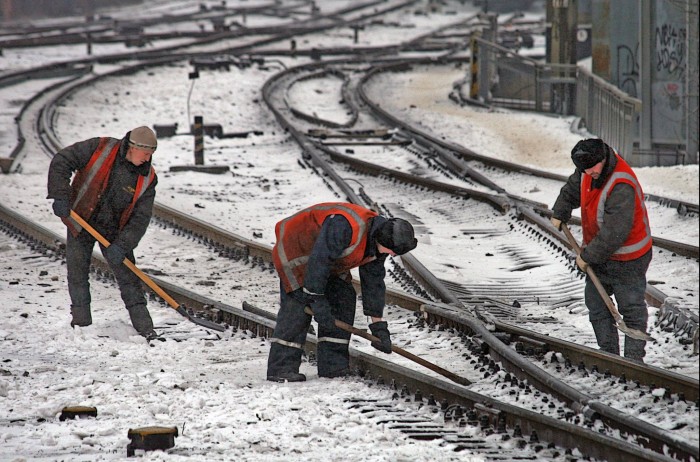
[
  {"x": 464, "y": 407},
  {"x": 313, "y": 143},
  {"x": 456, "y": 157},
  {"x": 235, "y": 251}
]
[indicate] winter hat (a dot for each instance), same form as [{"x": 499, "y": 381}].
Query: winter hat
[
  {"x": 397, "y": 235},
  {"x": 588, "y": 152},
  {"x": 143, "y": 137}
]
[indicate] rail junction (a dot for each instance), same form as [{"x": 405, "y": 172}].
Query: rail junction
[{"x": 496, "y": 344}]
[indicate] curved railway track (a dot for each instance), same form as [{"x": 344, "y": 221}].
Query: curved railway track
[
  {"x": 597, "y": 422},
  {"x": 461, "y": 406},
  {"x": 525, "y": 208}
]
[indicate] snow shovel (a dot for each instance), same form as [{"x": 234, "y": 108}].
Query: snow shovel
[
  {"x": 354, "y": 330},
  {"x": 144, "y": 277},
  {"x": 619, "y": 323}
]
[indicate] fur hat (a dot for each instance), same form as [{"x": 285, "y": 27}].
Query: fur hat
[
  {"x": 397, "y": 235},
  {"x": 143, "y": 137},
  {"x": 588, "y": 152}
]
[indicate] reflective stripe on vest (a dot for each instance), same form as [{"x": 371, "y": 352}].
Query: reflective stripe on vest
[
  {"x": 286, "y": 266},
  {"x": 614, "y": 178},
  {"x": 141, "y": 186},
  {"x": 105, "y": 153},
  {"x": 593, "y": 202},
  {"x": 94, "y": 166}
]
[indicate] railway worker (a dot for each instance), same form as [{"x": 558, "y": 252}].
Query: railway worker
[
  {"x": 315, "y": 250},
  {"x": 617, "y": 241},
  {"x": 113, "y": 190}
]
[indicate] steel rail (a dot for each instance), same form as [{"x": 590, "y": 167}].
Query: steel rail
[
  {"x": 619, "y": 366},
  {"x": 566, "y": 435},
  {"x": 458, "y": 155},
  {"x": 651, "y": 436}
]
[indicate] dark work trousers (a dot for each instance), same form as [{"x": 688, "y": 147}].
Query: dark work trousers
[
  {"x": 78, "y": 254},
  {"x": 627, "y": 282},
  {"x": 289, "y": 336}
]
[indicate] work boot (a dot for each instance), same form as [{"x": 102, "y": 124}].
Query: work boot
[
  {"x": 81, "y": 316},
  {"x": 287, "y": 377},
  {"x": 346, "y": 372},
  {"x": 152, "y": 335}
]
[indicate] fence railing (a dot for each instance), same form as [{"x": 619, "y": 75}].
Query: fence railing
[
  {"x": 608, "y": 112},
  {"x": 510, "y": 80}
]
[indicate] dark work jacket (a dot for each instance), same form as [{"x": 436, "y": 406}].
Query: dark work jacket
[
  {"x": 117, "y": 195},
  {"x": 619, "y": 213},
  {"x": 335, "y": 236},
  {"x": 297, "y": 234}
]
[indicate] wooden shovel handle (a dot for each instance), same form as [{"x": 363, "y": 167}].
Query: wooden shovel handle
[
  {"x": 433, "y": 367},
  {"x": 143, "y": 276},
  {"x": 591, "y": 274}
]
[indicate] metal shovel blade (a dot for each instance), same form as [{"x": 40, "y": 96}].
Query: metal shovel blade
[
  {"x": 200, "y": 321},
  {"x": 619, "y": 323},
  {"x": 146, "y": 279},
  {"x": 634, "y": 333}
]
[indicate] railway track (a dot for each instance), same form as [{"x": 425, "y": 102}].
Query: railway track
[
  {"x": 461, "y": 407},
  {"x": 437, "y": 313},
  {"x": 429, "y": 161}
]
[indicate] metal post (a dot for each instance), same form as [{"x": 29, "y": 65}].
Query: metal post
[
  {"x": 198, "y": 130},
  {"x": 564, "y": 16},
  {"x": 474, "y": 82},
  {"x": 192, "y": 76},
  {"x": 483, "y": 78},
  {"x": 487, "y": 58},
  {"x": 691, "y": 83},
  {"x": 645, "y": 65}
]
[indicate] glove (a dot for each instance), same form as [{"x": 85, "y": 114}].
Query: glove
[
  {"x": 380, "y": 330},
  {"x": 61, "y": 208},
  {"x": 556, "y": 222},
  {"x": 581, "y": 263},
  {"x": 114, "y": 254},
  {"x": 321, "y": 308}
]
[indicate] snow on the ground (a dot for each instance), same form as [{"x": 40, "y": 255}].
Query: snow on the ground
[{"x": 214, "y": 390}]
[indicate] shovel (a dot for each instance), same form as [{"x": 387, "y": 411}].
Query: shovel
[
  {"x": 144, "y": 277},
  {"x": 619, "y": 323},
  {"x": 354, "y": 330}
]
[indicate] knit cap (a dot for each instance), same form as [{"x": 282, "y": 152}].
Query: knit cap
[{"x": 144, "y": 138}]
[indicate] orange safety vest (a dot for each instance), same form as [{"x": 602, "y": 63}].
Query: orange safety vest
[
  {"x": 91, "y": 181},
  {"x": 639, "y": 240},
  {"x": 297, "y": 234}
]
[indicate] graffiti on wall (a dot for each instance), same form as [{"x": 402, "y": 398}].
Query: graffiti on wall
[
  {"x": 628, "y": 69},
  {"x": 670, "y": 50}
]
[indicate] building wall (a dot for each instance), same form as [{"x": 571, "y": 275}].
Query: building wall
[{"x": 618, "y": 39}]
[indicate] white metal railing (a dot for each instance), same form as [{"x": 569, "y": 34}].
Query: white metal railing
[
  {"x": 607, "y": 111},
  {"x": 509, "y": 80}
]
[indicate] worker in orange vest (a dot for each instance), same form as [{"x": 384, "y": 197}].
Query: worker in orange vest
[
  {"x": 315, "y": 250},
  {"x": 617, "y": 241},
  {"x": 113, "y": 190}
]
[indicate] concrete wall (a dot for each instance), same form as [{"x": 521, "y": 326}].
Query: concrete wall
[{"x": 644, "y": 48}]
